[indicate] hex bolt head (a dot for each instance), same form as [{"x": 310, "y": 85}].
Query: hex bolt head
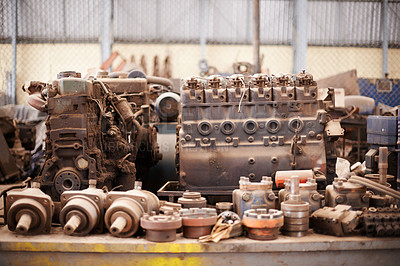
[
  {"x": 246, "y": 196},
  {"x": 340, "y": 199}
]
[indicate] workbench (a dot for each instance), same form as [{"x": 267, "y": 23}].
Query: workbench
[{"x": 313, "y": 249}]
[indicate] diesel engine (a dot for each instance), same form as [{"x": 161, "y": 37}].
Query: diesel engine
[
  {"x": 97, "y": 128},
  {"x": 252, "y": 127}
]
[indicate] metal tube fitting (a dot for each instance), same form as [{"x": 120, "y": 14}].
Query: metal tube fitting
[
  {"x": 118, "y": 225},
  {"x": 72, "y": 224},
  {"x": 24, "y": 223}
]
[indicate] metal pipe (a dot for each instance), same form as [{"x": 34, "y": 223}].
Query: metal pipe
[
  {"x": 385, "y": 36},
  {"x": 107, "y": 34},
  {"x": 14, "y": 52},
  {"x": 118, "y": 225},
  {"x": 256, "y": 36},
  {"x": 375, "y": 185},
  {"x": 299, "y": 38},
  {"x": 24, "y": 223},
  {"x": 72, "y": 224},
  {"x": 161, "y": 81},
  {"x": 295, "y": 185},
  {"x": 383, "y": 164}
]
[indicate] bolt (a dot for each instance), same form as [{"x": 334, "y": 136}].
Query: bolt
[
  {"x": 250, "y": 139},
  {"x": 271, "y": 196},
  {"x": 246, "y": 196},
  {"x": 228, "y": 139},
  {"x": 340, "y": 199},
  {"x": 315, "y": 196},
  {"x": 188, "y": 137}
]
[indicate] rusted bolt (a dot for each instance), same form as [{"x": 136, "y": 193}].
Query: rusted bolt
[
  {"x": 188, "y": 137},
  {"x": 340, "y": 199},
  {"x": 246, "y": 196}
]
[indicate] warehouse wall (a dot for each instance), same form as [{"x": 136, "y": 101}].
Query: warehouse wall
[{"x": 49, "y": 59}]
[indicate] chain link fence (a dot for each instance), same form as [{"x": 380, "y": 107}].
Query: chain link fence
[{"x": 52, "y": 36}]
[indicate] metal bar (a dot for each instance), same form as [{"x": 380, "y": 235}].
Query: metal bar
[
  {"x": 203, "y": 26},
  {"x": 299, "y": 40},
  {"x": 256, "y": 36},
  {"x": 14, "y": 52},
  {"x": 107, "y": 34},
  {"x": 385, "y": 36}
]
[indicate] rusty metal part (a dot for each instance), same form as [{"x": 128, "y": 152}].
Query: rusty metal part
[
  {"x": 382, "y": 221},
  {"x": 161, "y": 227},
  {"x": 338, "y": 221},
  {"x": 96, "y": 129},
  {"x": 308, "y": 193},
  {"x": 82, "y": 211},
  {"x": 198, "y": 222},
  {"x": 228, "y": 225},
  {"x": 253, "y": 195},
  {"x": 191, "y": 199},
  {"x": 263, "y": 224},
  {"x": 347, "y": 193},
  {"x": 252, "y": 127},
  {"x": 282, "y": 176},
  {"x": 223, "y": 206},
  {"x": 295, "y": 211},
  {"x": 170, "y": 207},
  {"x": 8, "y": 167},
  {"x": 167, "y": 106},
  {"x": 124, "y": 210},
  {"x": 29, "y": 211}
]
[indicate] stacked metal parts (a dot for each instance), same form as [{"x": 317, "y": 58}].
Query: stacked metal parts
[{"x": 295, "y": 211}]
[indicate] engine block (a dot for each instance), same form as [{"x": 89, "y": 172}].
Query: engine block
[
  {"x": 243, "y": 126},
  {"x": 97, "y": 128}
]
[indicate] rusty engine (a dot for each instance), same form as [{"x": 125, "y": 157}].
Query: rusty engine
[
  {"x": 97, "y": 128},
  {"x": 253, "y": 127}
]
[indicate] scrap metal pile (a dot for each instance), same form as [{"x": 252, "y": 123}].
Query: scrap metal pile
[{"x": 268, "y": 141}]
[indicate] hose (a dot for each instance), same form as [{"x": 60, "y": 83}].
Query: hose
[
  {"x": 161, "y": 81},
  {"x": 374, "y": 185}
]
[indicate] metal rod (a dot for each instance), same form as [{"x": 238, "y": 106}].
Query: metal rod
[
  {"x": 107, "y": 34},
  {"x": 72, "y": 224},
  {"x": 118, "y": 225},
  {"x": 299, "y": 38},
  {"x": 385, "y": 36},
  {"x": 14, "y": 52},
  {"x": 256, "y": 36},
  {"x": 24, "y": 223},
  {"x": 383, "y": 165}
]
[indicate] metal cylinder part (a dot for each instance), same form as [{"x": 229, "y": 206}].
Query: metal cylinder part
[
  {"x": 383, "y": 164},
  {"x": 192, "y": 200},
  {"x": 161, "y": 228},
  {"x": 79, "y": 215},
  {"x": 198, "y": 222},
  {"x": 29, "y": 211},
  {"x": 296, "y": 213},
  {"x": 167, "y": 106},
  {"x": 122, "y": 217},
  {"x": 125, "y": 209},
  {"x": 223, "y": 206},
  {"x": 170, "y": 207},
  {"x": 262, "y": 224}
]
